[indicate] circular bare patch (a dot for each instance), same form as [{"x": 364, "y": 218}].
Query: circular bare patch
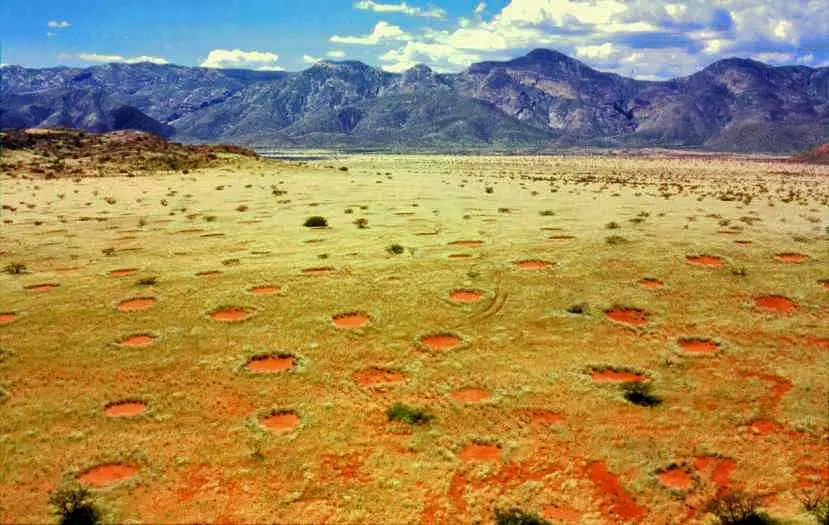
[
  {"x": 125, "y": 408},
  {"x": 466, "y": 244},
  {"x": 327, "y": 270},
  {"x": 609, "y": 375},
  {"x": 533, "y": 264},
  {"x": 123, "y": 272},
  {"x": 209, "y": 273},
  {"x": 704, "y": 260},
  {"x": 628, "y": 316},
  {"x": 465, "y": 296},
  {"x": 107, "y": 474},
  {"x": 775, "y": 303},
  {"x": 470, "y": 395},
  {"x": 137, "y": 340},
  {"x": 791, "y": 257},
  {"x": 476, "y": 452},
  {"x": 676, "y": 478},
  {"x": 7, "y": 317},
  {"x": 441, "y": 341},
  {"x": 282, "y": 421},
  {"x": 137, "y": 304},
  {"x": 265, "y": 290},
  {"x": 231, "y": 314},
  {"x": 351, "y": 320},
  {"x": 698, "y": 345},
  {"x": 651, "y": 283},
  {"x": 45, "y": 287},
  {"x": 270, "y": 364},
  {"x": 377, "y": 376}
]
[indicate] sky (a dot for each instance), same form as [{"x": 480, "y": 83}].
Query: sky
[{"x": 640, "y": 38}]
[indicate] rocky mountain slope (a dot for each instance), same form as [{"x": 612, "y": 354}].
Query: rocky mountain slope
[{"x": 539, "y": 101}]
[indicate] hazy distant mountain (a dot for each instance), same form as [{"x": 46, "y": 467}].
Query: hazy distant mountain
[{"x": 542, "y": 100}]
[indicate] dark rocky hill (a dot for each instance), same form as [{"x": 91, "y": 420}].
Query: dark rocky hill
[{"x": 542, "y": 100}]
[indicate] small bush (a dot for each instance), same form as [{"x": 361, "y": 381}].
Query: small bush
[
  {"x": 316, "y": 222},
  {"x": 738, "y": 508},
  {"x": 15, "y": 268},
  {"x": 489, "y": 189},
  {"x": 73, "y": 505},
  {"x": 408, "y": 414},
  {"x": 612, "y": 225},
  {"x": 640, "y": 394},
  {"x": 615, "y": 239},
  {"x": 349, "y": 211},
  {"x": 578, "y": 309},
  {"x": 361, "y": 223},
  {"x": 546, "y": 213},
  {"x": 817, "y": 506},
  {"x": 739, "y": 272},
  {"x": 518, "y": 517},
  {"x": 395, "y": 249},
  {"x": 343, "y": 168},
  {"x": 147, "y": 281}
]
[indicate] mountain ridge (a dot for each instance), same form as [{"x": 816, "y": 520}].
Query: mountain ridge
[{"x": 542, "y": 100}]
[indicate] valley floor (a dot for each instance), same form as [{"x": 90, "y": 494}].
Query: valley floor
[{"x": 182, "y": 344}]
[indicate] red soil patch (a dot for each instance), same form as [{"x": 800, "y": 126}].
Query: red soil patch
[
  {"x": 41, "y": 287},
  {"x": 138, "y": 340},
  {"x": 137, "y": 304},
  {"x": 791, "y": 257},
  {"x": 764, "y": 426},
  {"x": 265, "y": 290},
  {"x": 209, "y": 273},
  {"x": 281, "y": 421},
  {"x": 104, "y": 475},
  {"x": 698, "y": 346},
  {"x": 124, "y": 272},
  {"x": 675, "y": 478},
  {"x": 721, "y": 469},
  {"x": 560, "y": 514},
  {"x": 629, "y": 316},
  {"x": 465, "y": 296},
  {"x": 621, "y": 504},
  {"x": 775, "y": 303},
  {"x": 478, "y": 452},
  {"x": 545, "y": 417},
  {"x": 704, "y": 260},
  {"x": 271, "y": 364},
  {"x": 820, "y": 342},
  {"x": 230, "y": 314},
  {"x": 824, "y": 283},
  {"x": 377, "y": 376},
  {"x": 460, "y": 256},
  {"x": 7, "y": 317},
  {"x": 651, "y": 284},
  {"x": 350, "y": 320},
  {"x": 532, "y": 264},
  {"x": 125, "y": 409},
  {"x": 466, "y": 244},
  {"x": 471, "y": 395},
  {"x": 441, "y": 341},
  {"x": 319, "y": 271},
  {"x": 616, "y": 376}
]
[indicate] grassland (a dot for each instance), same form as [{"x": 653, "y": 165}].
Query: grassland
[{"x": 244, "y": 387}]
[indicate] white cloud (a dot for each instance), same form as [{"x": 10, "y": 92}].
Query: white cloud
[
  {"x": 402, "y": 8},
  {"x": 440, "y": 57},
  {"x": 59, "y": 24},
  {"x": 308, "y": 59},
  {"x": 382, "y": 31},
  {"x": 238, "y": 59},
  {"x": 479, "y": 10},
  {"x": 102, "y": 58},
  {"x": 336, "y": 53}
]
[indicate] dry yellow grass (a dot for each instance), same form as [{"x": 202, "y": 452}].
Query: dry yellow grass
[{"x": 546, "y": 434}]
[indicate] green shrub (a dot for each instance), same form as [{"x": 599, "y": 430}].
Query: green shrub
[
  {"x": 316, "y": 222},
  {"x": 73, "y": 505},
  {"x": 641, "y": 394},
  {"x": 361, "y": 223},
  {"x": 615, "y": 239},
  {"x": 518, "y": 517},
  {"x": 408, "y": 414},
  {"x": 395, "y": 249},
  {"x": 738, "y": 508}
]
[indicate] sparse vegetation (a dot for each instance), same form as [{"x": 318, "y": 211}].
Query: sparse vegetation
[
  {"x": 738, "y": 508},
  {"x": 15, "y": 268},
  {"x": 817, "y": 505},
  {"x": 316, "y": 222},
  {"x": 74, "y": 505}
]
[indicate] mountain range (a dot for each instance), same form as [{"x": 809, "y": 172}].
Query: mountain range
[{"x": 541, "y": 101}]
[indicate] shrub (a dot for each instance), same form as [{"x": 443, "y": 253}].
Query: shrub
[
  {"x": 316, "y": 222},
  {"x": 518, "y": 517},
  {"x": 73, "y": 505},
  {"x": 578, "y": 309},
  {"x": 15, "y": 268},
  {"x": 612, "y": 225},
  {"x": 737, "y": 508},
  {"x": 489, "y": 189},
  {"x": 546, "y": 213},
  {"x": 641, "y": 394},
  {"x": 615, "y": 239},
  {"x": 817, "y": 506},
  {"x": 361, "y": 223},
  {"x": 148, "y": 281},
  {"x": 395, "y": 249},
  {"x": 408, "y": 414}
]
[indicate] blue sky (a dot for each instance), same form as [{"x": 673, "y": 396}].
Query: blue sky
[{"x": 641, "y": 38}]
